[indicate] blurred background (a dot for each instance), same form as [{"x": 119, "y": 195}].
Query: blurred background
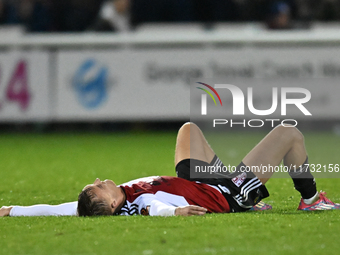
[
  {"x": 100, "y": 15},
  {"x": 94, "y": 88},
  {"x": 120, "y": 64}
]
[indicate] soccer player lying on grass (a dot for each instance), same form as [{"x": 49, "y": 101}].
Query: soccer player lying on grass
[{"x": 235, "y": 192}]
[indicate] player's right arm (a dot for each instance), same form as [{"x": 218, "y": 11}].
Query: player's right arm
[
  {"x": 190, "y": 210},
  {"x": 158, "y": 208}
]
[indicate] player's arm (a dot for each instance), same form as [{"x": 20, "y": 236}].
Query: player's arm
[
  {"x": 157, "y": 208},
  {"x": 190, "y": 210},
  {"x": 5, "y": 210},
  {"x": 65, "y": 209}
]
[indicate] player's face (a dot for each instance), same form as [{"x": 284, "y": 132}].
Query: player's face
[
  {"x": 107, "y": 191},
  {"x": 107, "y": 185}
]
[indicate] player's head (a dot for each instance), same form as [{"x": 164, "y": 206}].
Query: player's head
[{"x": 99, "y": 198}]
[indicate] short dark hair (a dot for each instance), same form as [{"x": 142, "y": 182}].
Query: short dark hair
[{"x": 90, "y": 205}]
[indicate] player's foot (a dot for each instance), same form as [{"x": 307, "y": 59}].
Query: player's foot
[
  {"x": 327, "y": 201},
  {"x": 323, "y": 203},
  {"x": 261, "y": 206}
]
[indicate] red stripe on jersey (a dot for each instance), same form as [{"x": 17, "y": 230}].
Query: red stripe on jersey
[{"x": 194, "y": 193}]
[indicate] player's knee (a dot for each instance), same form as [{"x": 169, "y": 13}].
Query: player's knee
[
  {"x": 298, "y": 136},
  {"x": 290, "y": 133},
  {"x": 188, "y": 126}
]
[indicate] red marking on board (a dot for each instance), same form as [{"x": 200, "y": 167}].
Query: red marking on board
[{"x": 17, "y": 90}]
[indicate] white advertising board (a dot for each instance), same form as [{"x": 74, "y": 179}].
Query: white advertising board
[
  {"x": 153, "y": 84},
  {"x": 24, "y": 86},
  {"x": 314, "y": 69},
  {"x": 126, "y": 85}
]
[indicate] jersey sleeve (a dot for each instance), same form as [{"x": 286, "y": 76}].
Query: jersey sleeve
[
  {"x": 157, "y": 208},
  {"x": 164, "y": 204},
  {"x": 159, "y": 204},
  {"x": 65, "y": 209}
]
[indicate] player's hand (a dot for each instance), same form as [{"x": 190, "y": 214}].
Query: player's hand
[
  {"x": 4, "y": 211},
  {"x": 190, "y": 210}
]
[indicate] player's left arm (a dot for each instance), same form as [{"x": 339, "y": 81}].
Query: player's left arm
[{"x": 65, "y": 209}]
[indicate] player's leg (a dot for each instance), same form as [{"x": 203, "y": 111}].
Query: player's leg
[
  {"x": 193, "y": 149},
  {"x": 191, "y": 143},
  {"x": 287, "y": 144},
  {"x": 282, "y": 143}
]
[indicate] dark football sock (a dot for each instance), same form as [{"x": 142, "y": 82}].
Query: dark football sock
[{"x": 304, "y": 181}]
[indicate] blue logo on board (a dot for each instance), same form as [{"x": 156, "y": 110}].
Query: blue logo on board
[{"x": 90, "y": 83}]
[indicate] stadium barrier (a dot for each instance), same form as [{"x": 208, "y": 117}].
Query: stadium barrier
[{"x": 146, "y": 75}]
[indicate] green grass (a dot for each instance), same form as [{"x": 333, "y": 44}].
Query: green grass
[{"x": 53, "y": 168}]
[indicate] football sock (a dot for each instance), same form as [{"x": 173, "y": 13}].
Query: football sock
[
  {"x": 304, "y": 181},
  {"x": 311, "y": 200}
]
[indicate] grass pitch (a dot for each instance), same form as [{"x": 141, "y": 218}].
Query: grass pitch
[{"x": 53, "y": 168}]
